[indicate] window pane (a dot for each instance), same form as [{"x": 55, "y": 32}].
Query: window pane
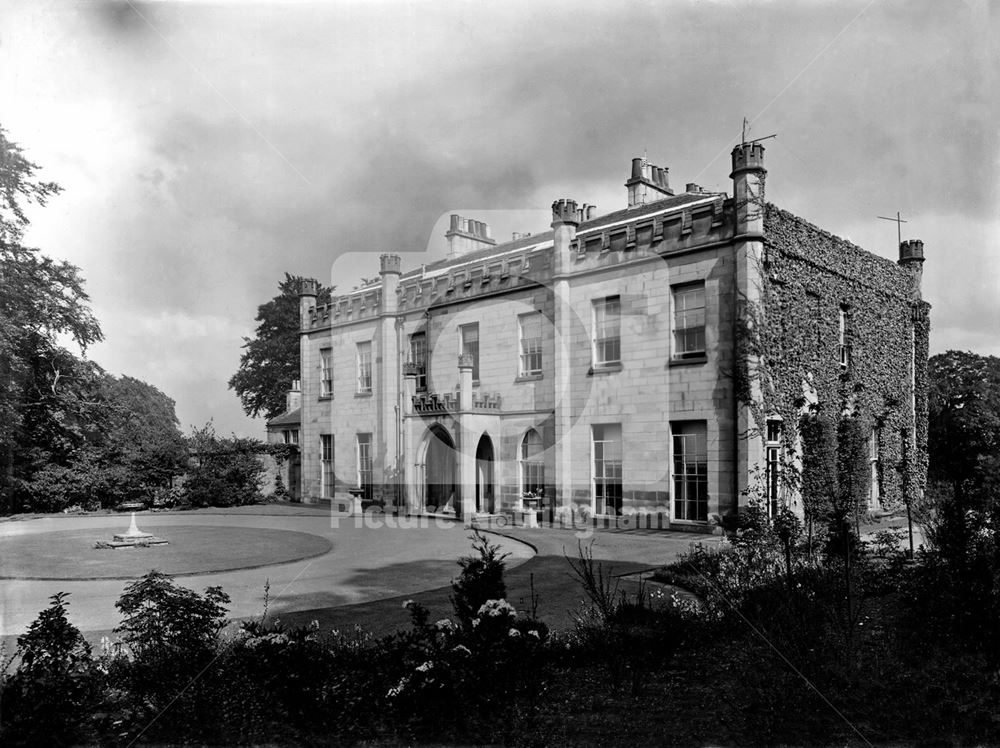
[
  {"x": 607, "y": 448},
  {"x": 689, "y": 320},
  {"x": 365, "y": 367},
  {"x": 326, "y": 460},
  {"x": 418, "y": 356},
  {"x": 470, "y": 346},
  {"x": 607, "y": 330},
  {"x": 365, "y": 465},
  {"x": 530, "y": 330},
  {"x": 326, "y": 372},
  {"x": 690, "y": 443}
]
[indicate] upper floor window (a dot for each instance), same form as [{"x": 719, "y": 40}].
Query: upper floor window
[
  {"x": 418, "y": 357},
  {"x": 365, "y": 367},
  {"x": 689, "y": 321},
  {"x": 469, "y": 335},
  {"x": 530, "y": 334},
  {"x": 844, "y": 337},
  {"x": 290, "y": 436},
  {"x": 607, "y": 331},
  {"x": 326, "y": 372}
]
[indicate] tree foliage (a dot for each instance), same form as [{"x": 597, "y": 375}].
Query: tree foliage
[
  {"x": 964, "y": 416},
  {"x": 270, "y": 359},
  {"x": 72, "y": 433},
  {"x": 225, "y": 471}
]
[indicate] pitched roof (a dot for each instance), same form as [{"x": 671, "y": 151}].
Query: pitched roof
[{"x": 288, "y": 418}]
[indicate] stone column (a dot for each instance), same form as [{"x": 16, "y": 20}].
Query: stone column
[
  {"x": 565, "y": 219},
  {"x": 410, "y": 490},
  {"x": 467, "y": 443}
]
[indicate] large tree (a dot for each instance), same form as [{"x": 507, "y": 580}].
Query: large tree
[
  {"x": 964, "y": 427},
  {"x": 270, "y": 360},
  {"x": 42, "y": 301}
]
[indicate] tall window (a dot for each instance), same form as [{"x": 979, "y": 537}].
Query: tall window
[
  {"x": 290, "y": 436},
  {"x": 365, "y": 465},
  {"x": 689, "y": 321},
  {"x": 772, "y": 468},
  {"x": 365, "y": 367},
  {"x": 607, "y": 447},
  {"x": 532, "y": 465},
  {"x": 326, "y": 372},
  {"x": 470, "y": 346},
  {"x": 607, "y": 331},
  {"x": 326, "y": 464},
  {"x": 530, "y": 334},
  {"x": 418, "y": 357},
  {"x": 875, "y": 492},
  {"x": 845, "y": 338},
  {"x": 690, "y": 471}
]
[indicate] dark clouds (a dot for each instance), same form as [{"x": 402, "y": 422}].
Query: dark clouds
[{"x": 221, "y": 145}]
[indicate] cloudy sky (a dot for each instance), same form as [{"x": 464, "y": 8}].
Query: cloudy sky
[{"x": 207, "y": 148}]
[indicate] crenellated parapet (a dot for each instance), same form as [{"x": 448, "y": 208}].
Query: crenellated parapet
[
  {"x": 359, "y": 305},
  {"x": 703, "y": 220}
]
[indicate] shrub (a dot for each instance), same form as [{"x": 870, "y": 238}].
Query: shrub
[{"x": 56, "y": 686}]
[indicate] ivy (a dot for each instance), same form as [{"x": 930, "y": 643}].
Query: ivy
[{"x": 789, "y": 361}]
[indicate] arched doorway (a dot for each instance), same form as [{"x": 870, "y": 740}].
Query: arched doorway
[
  {"x": 485, "y": 499},
  {"x": 440, "y": 462}
]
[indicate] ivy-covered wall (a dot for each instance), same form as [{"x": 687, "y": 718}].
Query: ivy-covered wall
[{"x": 790, "y": 344}]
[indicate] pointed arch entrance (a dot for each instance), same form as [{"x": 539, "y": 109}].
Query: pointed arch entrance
[
  {"x": 485, "y": 492},
  {"x": 440, "y": 471}
]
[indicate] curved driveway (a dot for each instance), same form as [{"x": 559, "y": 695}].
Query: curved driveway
[{"x": 366, "y": 563}]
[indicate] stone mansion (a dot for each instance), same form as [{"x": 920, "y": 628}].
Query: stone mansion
[{"x": 655, "y": 361}]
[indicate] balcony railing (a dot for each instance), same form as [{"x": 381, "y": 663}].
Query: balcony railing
[{"x": 448, "y": 402}]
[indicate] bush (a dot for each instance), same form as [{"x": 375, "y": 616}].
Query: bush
[{"x": 49, "y": 698}]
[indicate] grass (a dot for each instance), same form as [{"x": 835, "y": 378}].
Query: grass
[{"x": 70, "y": 554}]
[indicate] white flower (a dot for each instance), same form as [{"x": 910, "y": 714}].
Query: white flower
[
  {"x": 513, "y": 633},
  {"x": 408, "y": 604},
  {"x": 425, "y": 667},
  {"x": 462, "y": 649},
  {"x": 445, "y": 624},
  {"x": 534, "y": 634},
  {"x": 497, "y": 609}
]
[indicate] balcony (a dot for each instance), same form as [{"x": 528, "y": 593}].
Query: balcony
[{"x": 448, "y": 402}]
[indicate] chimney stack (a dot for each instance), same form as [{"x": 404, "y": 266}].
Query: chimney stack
[
  {"x": 467, "y": 235},
  {"x": 647, "y": 184}
]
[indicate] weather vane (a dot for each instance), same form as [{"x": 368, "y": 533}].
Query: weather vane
[
  {"x": 899, "y": 226},
  {"x": 743, "y": 137}
]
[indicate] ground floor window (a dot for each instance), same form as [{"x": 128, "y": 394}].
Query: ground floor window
[
  {"x": 772, "y": 466},
  {"x": 326, "y": 463},
  {"x": 532, "y": 465},
  {"x": 875, "y": 495},
  {"x": 607, "y": 451},
  {"x": 690, "y": 442},
  {"x": 365, "y": 465}
]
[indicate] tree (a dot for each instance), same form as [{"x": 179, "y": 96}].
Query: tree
[
  {"x": 964, "y": 425},
  {"x": 227, "y": 471},
  {"x": 270, "y": 360},
  {"x": 42, "y": 299},
  {"x": 963, "y": 447}
]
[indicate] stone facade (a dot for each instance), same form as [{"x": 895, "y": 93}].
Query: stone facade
[{"x": 604, "y": 366}]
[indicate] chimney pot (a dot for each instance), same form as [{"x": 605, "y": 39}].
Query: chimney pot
[{"x": 636, "y": 168}]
